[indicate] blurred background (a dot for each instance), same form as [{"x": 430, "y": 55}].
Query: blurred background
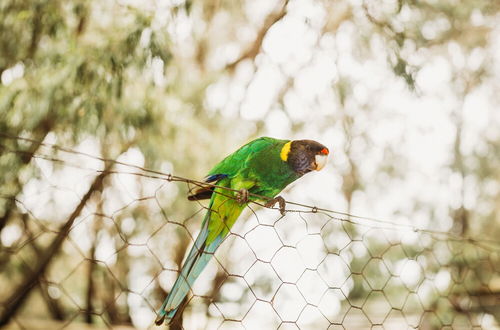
[{"x": 404, "y": 93}]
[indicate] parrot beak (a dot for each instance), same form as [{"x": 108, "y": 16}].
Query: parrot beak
[{"x": 320, "y": 161}]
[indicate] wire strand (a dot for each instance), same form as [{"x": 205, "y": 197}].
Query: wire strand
[{"x": 158, "y": 175}]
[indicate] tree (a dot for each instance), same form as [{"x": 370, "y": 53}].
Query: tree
[{"x": 177, "y": 86}]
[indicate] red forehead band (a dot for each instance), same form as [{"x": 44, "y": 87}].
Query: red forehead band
[{"x": 324, "y": 151}]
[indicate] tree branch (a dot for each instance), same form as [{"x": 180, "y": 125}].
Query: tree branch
[
  {"x": 254, "y": 49},
  {"x": 19, "y": 295},
  {"x": 41, "y": 131}
]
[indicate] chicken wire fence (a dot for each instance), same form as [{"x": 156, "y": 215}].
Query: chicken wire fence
[{"x": 93, "y": 242}]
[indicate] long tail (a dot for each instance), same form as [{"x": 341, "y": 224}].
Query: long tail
[{"x": 198, "y": 258}]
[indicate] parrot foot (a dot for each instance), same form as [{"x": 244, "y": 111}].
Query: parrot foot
[
  {"x": 277, "y": 199},
  {"x": 242, "y": 196}
]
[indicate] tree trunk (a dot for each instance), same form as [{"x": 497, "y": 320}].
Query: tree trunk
[
  {"x": 52, "y": 304},
  {"x": 90, "y": 283}
]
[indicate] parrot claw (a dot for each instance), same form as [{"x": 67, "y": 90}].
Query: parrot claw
[
  {"x": 160, "y": 319},
  {"x": 275, "y": 200},
  {"x": 242, "y": 196}
]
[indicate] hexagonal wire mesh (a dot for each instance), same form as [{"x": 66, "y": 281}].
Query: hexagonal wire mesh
[{"x": 100, "y": 241}]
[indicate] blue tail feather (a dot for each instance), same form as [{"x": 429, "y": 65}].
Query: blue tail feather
[{"x": 198, "y": 258}]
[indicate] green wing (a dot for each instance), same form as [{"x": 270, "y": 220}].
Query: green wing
[
  {"x": 237, "y": 161},
  {"x": 224, "y": 212}
]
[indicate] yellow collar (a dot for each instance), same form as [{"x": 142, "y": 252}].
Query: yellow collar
[{"x": 285, "y": 151}]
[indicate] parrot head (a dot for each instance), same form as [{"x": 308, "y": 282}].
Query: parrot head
[{"x": 305, "y": 155}]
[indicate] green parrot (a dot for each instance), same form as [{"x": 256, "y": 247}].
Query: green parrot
[{"x": 264, "y": 166}]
